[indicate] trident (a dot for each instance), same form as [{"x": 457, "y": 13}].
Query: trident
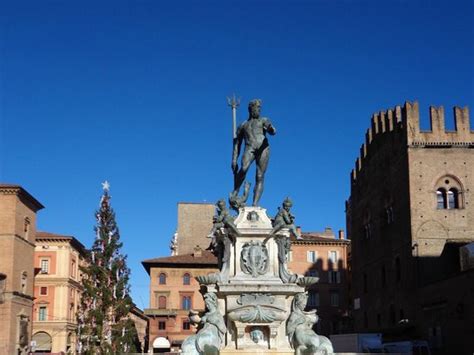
[{"x": 234, "y": 103}]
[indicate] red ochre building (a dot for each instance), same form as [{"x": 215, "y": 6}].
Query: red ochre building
[{"x": 173, "y": 293}]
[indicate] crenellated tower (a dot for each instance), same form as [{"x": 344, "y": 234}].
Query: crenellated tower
[
  {"x": 410, "y": 208},
  {"x": 402, "y": 124}
]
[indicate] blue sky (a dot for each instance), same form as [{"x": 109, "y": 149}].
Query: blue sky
[{"x": 135, "y": 93}]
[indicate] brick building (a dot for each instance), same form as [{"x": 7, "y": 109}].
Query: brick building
[
  {"x": 408, "y": 214},
  {"x": 324, "y": 256},
  {"x": 173, "y": 293},
  {"x": 57, "y": 291},
  {"x": 194, "y": 224},
  {"x": 17, "y": 237}
]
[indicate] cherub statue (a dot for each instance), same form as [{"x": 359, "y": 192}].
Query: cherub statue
[
  {"x": 300, "y": 331},
  {"x": 223, "y": 219},
  {"x": 284, "y": 219},
  {"x": 222, "y": 240}
]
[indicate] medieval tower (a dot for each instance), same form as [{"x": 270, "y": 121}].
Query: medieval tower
[{"x": 409, "y": 212}]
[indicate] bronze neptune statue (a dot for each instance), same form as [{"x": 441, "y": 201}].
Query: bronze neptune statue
[{"x": 253, "y": 133}]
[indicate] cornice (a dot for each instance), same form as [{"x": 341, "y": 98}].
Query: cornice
[
  {"x": 17, "y": 190},
  {"x": 442, "y": 144}
]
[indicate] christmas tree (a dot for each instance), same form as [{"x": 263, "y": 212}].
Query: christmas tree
[{"x": 103, "y": 323}]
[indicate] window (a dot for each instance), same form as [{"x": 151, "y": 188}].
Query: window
[
  {"x": 334, "y": 277},
  {"x": 448, "y": 193},
  {"x": 42, "y": 314},
  {"x": 161, "y": 325},
  {"x": 71, "y": 311},
  {"x": 453, "y": 199},
  {"x": 24, "y": 279},
  {"x": 186, "y": 325},
  {"x": 27, "y": 227},
  {"x": 73, "y": 268},
  {"x": 334, "y": 298},
  {"x": 186, "y": 279},
  {"x": 333, "y": 256},
  {"x": 290, "y": 256},
  {"x": 311, "y": 256},
  {"x": 186, "y": 302},
  {"x": 162, "y": 302},
  {"x": 3, "y": 282},
  {"x": 441, "y": 199},
  {"x": 162, "y": 279},
  {"x": 43, "y": 290},
  {"x": 313, "y": 299},
  {"x": 44, "y": 265}
]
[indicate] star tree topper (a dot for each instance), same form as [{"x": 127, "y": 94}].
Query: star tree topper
[{"x": 106, "y": 186}]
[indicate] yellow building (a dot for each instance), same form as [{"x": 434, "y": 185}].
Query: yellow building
[
  {"x": 57, "y": 291},
  {"x": 17, "y": 233}
]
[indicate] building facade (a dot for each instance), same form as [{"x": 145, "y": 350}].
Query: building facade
[
  {"x": 17, "y": 237},
  {"x": 325, "y": 256},
  {"x": 173, "y": 293},
  {"x": 194, "y": 225},
  {"x": 409, "y": 212},
  {"x": 57, "y": 291}
]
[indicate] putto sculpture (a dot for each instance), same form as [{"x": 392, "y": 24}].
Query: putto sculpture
[
  {"x": 223, "y": 233},
  {"x": 253, "y": 133},
  {"x": 284, "y": 219}
]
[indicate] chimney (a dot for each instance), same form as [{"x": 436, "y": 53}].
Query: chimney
[
  {"x": 341, "y": 234},
  {"x": 328, "y": 231},
  {"x": 197, "y": 251}
]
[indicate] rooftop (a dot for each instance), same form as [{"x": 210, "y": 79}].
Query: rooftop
[
  {"x": 23, "y": 194},
  {"x": 47, "y": 236},
  {"x": 203, "y": 258}
]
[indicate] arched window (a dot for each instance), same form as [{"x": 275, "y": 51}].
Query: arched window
[
  {"x": 449, "y": 193},
  {"x": 162, "y": 279},
  {"x": 43, "y": 342},
  {"x": 186, "y": 279},
  {"x": 441, "y": 199},
  {"x": 162, "y": 302},
  {"x": 453, "y": 198},
  {"x": 186, "y": 302}
]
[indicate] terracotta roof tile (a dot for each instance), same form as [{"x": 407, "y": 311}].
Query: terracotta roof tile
[{"x": 206, "y": 258}]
